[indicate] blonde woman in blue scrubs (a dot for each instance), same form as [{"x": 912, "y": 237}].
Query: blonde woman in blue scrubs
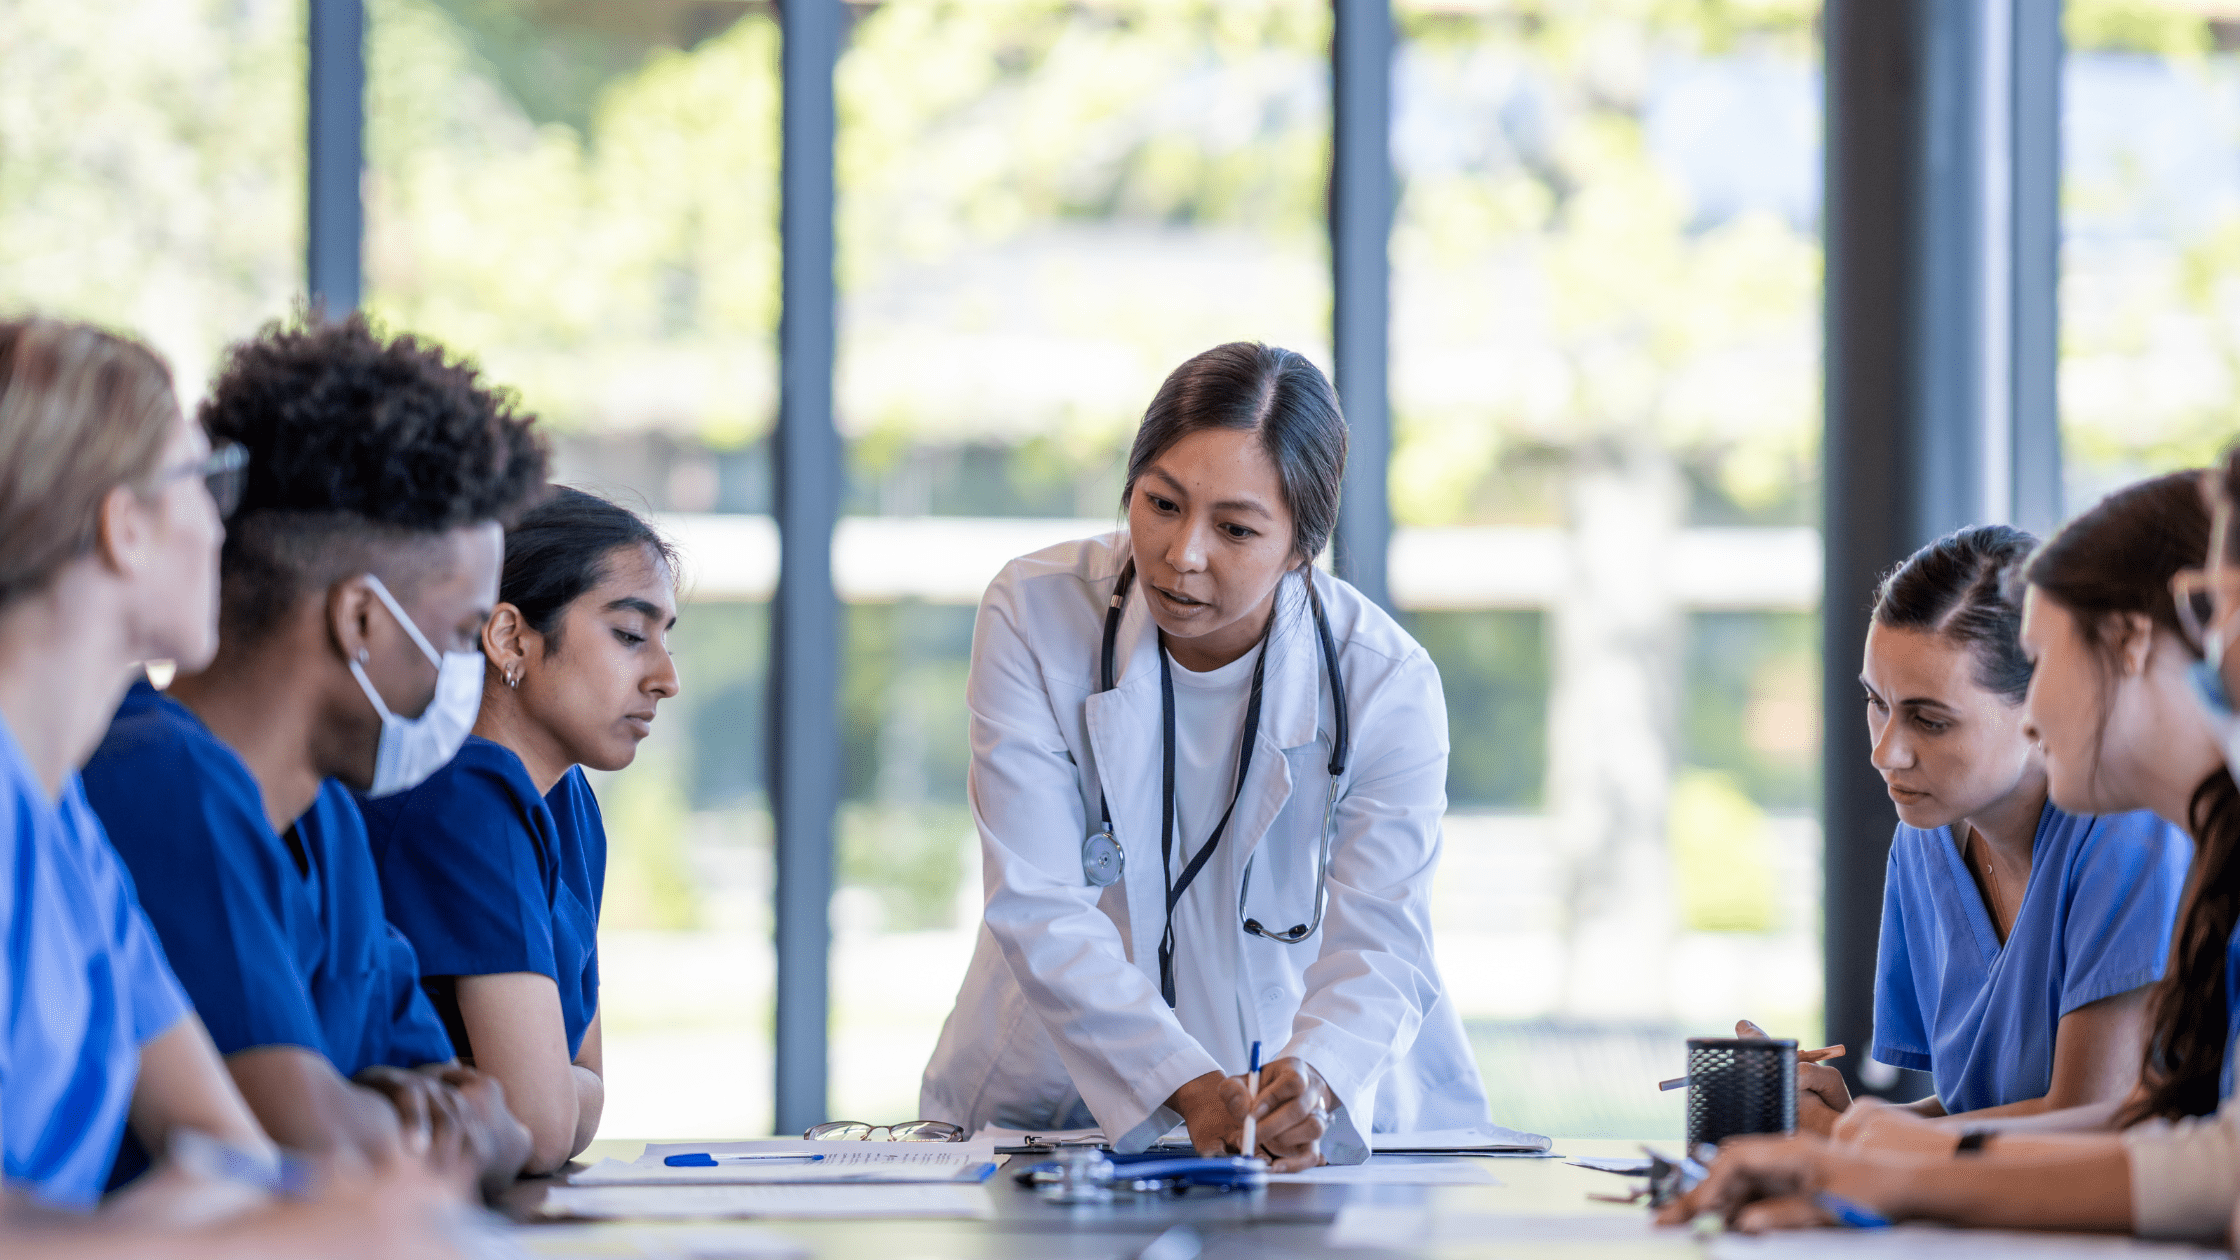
[{"x": 109, "y": 555}]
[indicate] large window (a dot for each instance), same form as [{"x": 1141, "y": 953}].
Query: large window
[
  {"x": 151, "y": 168},
  {"x": 1043, "y": 209},
  {"x": 583, "y": 198},
  {"x": 2150, "y": 203},
  {"x": 1605, "y": 387},
  {"x": 1605, "y": 366}
]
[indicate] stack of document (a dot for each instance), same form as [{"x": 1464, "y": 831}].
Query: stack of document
[
  {"x": 785, "y": 1161},
  {"x": 1484, "y": 1139},
  {"x": 783, "y": 1177}
]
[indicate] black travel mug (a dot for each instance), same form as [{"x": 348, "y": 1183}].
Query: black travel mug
[{"x": 1740, "y": 1085}]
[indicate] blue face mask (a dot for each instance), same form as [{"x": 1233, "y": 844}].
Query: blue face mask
[
  {"x": 414, "y": 748},
  {"x": 2207, "y": 676}
]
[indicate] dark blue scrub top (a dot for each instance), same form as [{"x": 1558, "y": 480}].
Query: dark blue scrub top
[
  {"x": 272, "y": 953},
  {"x": 2095, "y": 921},
  {"x": 84, "y": 988},
  {"x": 487, "y": 877}
]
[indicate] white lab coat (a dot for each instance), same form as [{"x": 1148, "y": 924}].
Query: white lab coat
[{"x": 1061, "y": 1004}]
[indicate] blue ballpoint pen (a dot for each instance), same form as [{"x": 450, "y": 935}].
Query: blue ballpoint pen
[
  {"x": 701, "y": 1159},
  {"x": 1849, "y": 1214},
  {"x": 1251, "y": 1141}
]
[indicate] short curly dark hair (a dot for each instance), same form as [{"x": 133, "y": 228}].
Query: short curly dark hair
[{"x": 360, "y": 443}]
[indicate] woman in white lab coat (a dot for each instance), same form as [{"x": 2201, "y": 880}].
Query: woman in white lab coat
[{"x": 1089, "y": 1001}]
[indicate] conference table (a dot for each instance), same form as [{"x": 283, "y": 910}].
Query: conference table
[
  {"x": 1285, "y": 1220},
  {"x": 1540, "y": 1207}
]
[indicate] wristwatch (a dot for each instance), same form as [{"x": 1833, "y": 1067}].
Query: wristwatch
[{"x": 1971, "y": 1142}]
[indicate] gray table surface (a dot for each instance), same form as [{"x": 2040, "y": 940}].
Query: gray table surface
[{"x": 1280, "y": 1220}]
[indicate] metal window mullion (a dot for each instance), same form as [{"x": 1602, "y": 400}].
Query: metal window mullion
[
  {"x": 1361, "y": 204},
  {"x": 334, "y": 141},
  {"x": 805, "y": 613}
]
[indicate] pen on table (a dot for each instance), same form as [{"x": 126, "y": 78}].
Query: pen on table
[
  {"x": 1822, "y": 1055},
  {"x": 701, "y": 1159},
  {"x": 1849, "y": 1214},
  {"x": 1252, "y": 1090}
]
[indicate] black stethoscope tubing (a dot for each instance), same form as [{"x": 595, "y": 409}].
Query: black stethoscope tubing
[{"x": 1341, "y": 749}]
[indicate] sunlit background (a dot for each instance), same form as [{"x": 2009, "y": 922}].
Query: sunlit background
[{"x": 1605, "y": 380}]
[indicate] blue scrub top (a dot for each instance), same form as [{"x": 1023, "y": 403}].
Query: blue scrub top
[
  {"x": 488, "y": 877},
  {"x": 2095, "y": 921},
  {"x": 273, "y": 953},
  {"x": 85, "y": 987}
]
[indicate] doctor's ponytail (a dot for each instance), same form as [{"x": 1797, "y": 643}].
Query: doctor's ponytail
[{"x": 1270, "y": 391}]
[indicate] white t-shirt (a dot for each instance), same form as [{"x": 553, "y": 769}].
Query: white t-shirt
[{"x": 1209, "y": 711}]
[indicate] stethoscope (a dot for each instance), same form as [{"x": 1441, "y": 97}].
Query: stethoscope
[{"x": 1102, "y": 862}]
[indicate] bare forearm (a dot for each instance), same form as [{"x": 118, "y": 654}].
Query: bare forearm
[
  {"x": 591, "y": 1099},
  {"x": 184, "y": 1084},
  {"x": 2088, "y": 1118},
  {"x": 307, "y": 1106},
  {"x": 2044, "y": 1183},
  {"x": 2004, "y": 1111}
]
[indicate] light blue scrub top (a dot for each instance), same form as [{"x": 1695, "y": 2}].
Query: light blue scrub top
[
  {"x": 85, "y": 987},
  {"x": 2095, "y": 921}
]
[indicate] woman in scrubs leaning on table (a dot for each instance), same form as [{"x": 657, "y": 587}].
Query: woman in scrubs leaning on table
[
  {"x": 2018, "y": 939},
  {"x": 1208, "y": 784},
  {"x": 495, "y": 866},
  {"x": 2128, "y": 717}
]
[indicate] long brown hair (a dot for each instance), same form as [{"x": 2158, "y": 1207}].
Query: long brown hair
[{"x": 2114, "y": 560}]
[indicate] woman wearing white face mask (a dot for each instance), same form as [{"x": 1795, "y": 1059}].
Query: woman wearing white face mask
[{"x": 1208, "y": 784}]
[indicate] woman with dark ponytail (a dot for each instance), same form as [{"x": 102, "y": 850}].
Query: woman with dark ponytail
[
  {"x": 2115, "y": 705},
  {"x": 2019, "y": 938},
  {"x": 494, "y": 867}
]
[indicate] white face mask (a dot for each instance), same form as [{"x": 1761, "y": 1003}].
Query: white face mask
[{"x": 414, "y": 748}]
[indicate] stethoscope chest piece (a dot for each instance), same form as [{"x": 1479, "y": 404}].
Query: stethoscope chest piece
[{"x": 1102, "y": 863}]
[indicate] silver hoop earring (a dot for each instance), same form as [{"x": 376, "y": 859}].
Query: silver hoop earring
[{"x": 513, "y": 680}]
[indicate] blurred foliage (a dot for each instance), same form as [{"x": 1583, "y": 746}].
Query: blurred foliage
[
  {"x": 2162, "y": 27},
  {"x": 722, "y": 651},
  {"x": 620, "y": 276},
  {"x": 1579, "y": 291},
  {"x": 903, "y": 708},
  {"x": 2150, "y": 334},
  {"x": 912, "y": 858},
  {"x": 650, "y": 883},
  {"x": 1493, "y": 667},
  {"x": 1751, "y": 708},
  {"x": 1722, "y": 859},
  {"x": 152, "y": 167}
]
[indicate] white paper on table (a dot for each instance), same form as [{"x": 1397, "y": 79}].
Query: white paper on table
[
  {"x": 1393, "y": 1172},
  {"x": 561, "y": 1241},
  {"x": 687, "y": 1202},
  {"x": 843, "y": 1161},
  {"x": 994, "y": 1137},
  {"x": 1484, "y": 1138},
  {"x": 1401, "y": 1228},
  {"x": 1623, "y": 1165},
  {"x": 1911, "y": 1241}
]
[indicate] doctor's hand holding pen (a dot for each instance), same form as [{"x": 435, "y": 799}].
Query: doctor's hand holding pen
[
  {"x": 1822, "y": 1094},
  {"x": 1286, "y": 1117}
]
